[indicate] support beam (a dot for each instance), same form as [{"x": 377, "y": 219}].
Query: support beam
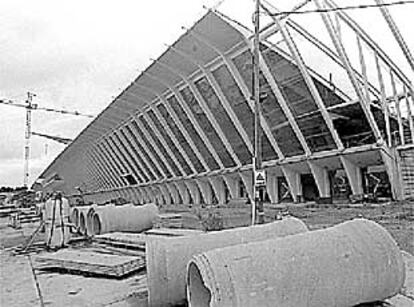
[
  {"x": 272, "y": 186},
  {"x": 96, "y": 165},
  {"x": 105, "y": 166},
  {"x": 134, "y": 157},
  {"x": 182, "y": 189},
  {"x": 174, "y": 193},
  {"x": 294, "y": 182},
  {"x": 191, "y": 117},
  {"x": 384, "y": 102},
  {"x": 391, "y": 165},
  {"x": 149, "y": 152},
  {"x": 247, "y": 178},
  {"x": 155, "y": 146},
  {"x": 134, "y": 168},
  {"x": 168, "y": 149},
  {"x": 203, "y": 104},
  {"x": 233, "y": 183},
  {"x": 295, "y": 53},
  {"x": 397, "y": 34},
  {"x": 132, "y": 138},
  {"x": 111, "y": 158},
  {"x": 218, "y": 185},
  {"x": 206, "y": 190},
  {"x": 398, "y": 109},
  {"x": 167, "y": 129},
  {"x": 209, "y": 76},
  {"x": 322, "y": 181},
  {"x": 410, "y": 112},
  {"x": 194, "y": 191},
  {"x": 351, "y": 75},
  {"x": 353, "y": 172},
  {"x": 166, "y": 194}
]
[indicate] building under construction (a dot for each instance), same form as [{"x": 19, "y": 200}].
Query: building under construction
[{"x": 336, "y": 119}]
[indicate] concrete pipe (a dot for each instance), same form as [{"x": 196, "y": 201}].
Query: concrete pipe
[
  {"x": 167, "y": 258},
  {"x": 74, "y": 217},
  {"x": 349, "y": 264},
  {"x": 91, "y": 212},
  {"x": 128, "y": 218}
]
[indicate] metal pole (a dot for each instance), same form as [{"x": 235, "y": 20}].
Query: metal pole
[
  {"x": 28, "y": 134},
  {"x": 257, "y": 159}
]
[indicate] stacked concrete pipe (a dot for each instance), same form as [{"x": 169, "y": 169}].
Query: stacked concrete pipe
[
  {"x": 91, "y": 212},
  {"x": 349, "y": 264},
  {"x": 167, "y": 258},
  {"x": 128, "y": 218},
  {"x": 78, "y": 217}
]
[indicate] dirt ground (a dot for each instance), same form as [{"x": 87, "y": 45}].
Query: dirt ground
[{"x": 22, "y": 286}]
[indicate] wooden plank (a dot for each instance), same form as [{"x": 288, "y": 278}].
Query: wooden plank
[
  {"x": 173, "y": 232},
  {"x": 90, "y": 262}
]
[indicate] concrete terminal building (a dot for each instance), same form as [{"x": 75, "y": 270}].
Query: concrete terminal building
[{"x": 337, "y": 120}]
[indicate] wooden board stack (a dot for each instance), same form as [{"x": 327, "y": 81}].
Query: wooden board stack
[
  {"x": 90, "y": 263},
  {"x": 170, "y": 220}
]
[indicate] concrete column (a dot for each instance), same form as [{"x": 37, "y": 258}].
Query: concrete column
[
  {"x": 272, "y": 187},
  {"x": 218, "y": 185},
  {"x": 354, "y": 174},
  {"x": 194, "y": 191},
  {"x": 152, "y": 194},
  {"x": 206, "y": 191},
  {"x": 147, "y": 198},
  {"x": 182, "y": 189},
  {"x": 321, "y": 179},
  {"x": 138, "y": 195},
  {"x": 166, "y": 194},
  {"x": 247, "y": 178},
  {"x": 130, "y": 194},
  {"x": 389, "y": 157},
  {"x": 294, "y": 182},
  {"x": 174, "y": 193},
  {"x": 233, "y": 183}
]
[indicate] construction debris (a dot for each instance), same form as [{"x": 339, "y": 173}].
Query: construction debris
[
  {"x": 167, "y": 258},
  {"x": 352, "y": 263}
]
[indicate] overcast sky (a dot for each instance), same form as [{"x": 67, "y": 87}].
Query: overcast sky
[{"x": 79, "y": 54}]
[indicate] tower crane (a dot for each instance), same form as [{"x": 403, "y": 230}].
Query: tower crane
[
  {"x": 58, "y": 139},
  {"x": 30, "y": 106}
]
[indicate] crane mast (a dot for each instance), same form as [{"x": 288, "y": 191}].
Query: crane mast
[
  {"x": 30, "y": 106},
  {"x": 28, "y": 133}
]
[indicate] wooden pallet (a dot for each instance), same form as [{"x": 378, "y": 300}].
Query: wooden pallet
[{"x": 90, "y": 263}]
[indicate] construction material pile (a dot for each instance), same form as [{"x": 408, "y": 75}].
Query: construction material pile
[
  {"x": 167, "y": 258},
  {"x": 348, "y": 264},
  {"x": 277, "y": 264},
  {"x": 94, "y": 219}
]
